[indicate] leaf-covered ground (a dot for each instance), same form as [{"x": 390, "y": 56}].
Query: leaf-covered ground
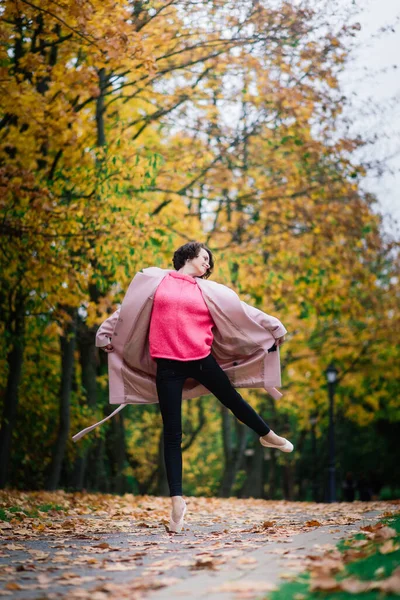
[
  {"x": 97, "y": 546},
  {"x": 366, "y": 566}
]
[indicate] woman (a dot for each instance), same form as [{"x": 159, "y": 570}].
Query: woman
[{"x": 180, "y": 340}]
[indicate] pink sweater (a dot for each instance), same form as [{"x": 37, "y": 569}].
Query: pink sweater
[{"x": 181, "y": 324}]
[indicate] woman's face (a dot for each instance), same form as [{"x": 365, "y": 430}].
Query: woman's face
[{"x": 201, "y": 263}]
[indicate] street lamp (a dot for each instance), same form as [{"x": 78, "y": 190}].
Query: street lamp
[
  {"x": 331, "y": 377},
  {"x": 313, "y": 422}
]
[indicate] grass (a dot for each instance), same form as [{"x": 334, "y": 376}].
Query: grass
[{"x": 373, "y": 566}]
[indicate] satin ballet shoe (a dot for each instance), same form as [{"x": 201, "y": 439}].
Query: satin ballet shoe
[
  {"x": 176, "y": 527},
  {"x": 286, "y": 447}
]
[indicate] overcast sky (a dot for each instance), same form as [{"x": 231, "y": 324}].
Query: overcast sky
[{"x": 376, "y": 109}]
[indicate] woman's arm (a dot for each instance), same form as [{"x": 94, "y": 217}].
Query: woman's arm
[
  {"x": 106, "y": 329},
  {"x": 269, "y": 322}
]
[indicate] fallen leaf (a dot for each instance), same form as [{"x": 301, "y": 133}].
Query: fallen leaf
[
  {"x": 119, "y": 567},
  {"x": 43, "y": 579},
  {"x": 355, "y": 586},
  {"x": 247, "y": 560},
  {"x": 289, "y": 576},
  {"x": 39, "y": 554},
  {"x": 14, "y": 547},
  {"x": 204, "y": 562},
  {"x": 312, "y": 523},
  {"x": 267, "y": 524},
  {"x": 12, "y": 586},
  {"x": 385, "y": 533},
  {"x": 22, "y": 531},
  {"x": 388, "y": 546},
  {"x": 391, "y": 585},
  {"x": 245, "y": 586},
  {"x": 358, "y": 543},
  {"x": 324, "y": 583}
]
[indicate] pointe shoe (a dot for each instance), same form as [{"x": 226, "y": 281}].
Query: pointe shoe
[
  {"x": 286, "y": 447},
  {"x": 176, "y": 527}
]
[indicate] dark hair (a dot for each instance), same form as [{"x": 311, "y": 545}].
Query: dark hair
[{"x": 189, "y": 251}]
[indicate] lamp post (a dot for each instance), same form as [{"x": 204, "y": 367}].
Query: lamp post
[
  {"x": 331, "y": 376},
  {"x": 313, "y": 422}
]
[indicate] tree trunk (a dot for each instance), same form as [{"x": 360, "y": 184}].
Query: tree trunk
[
  {"x": 14, "y": 361},
  {"x": 288, "y": 481},
  {"x": 100, "y": 106},
  {"x": 87, "y": 348},
  {"x": 67, "y": 343},
  {"x": 119, "y": 453},
  {"x": 254, "y": 483},
  {"x": 272, "y": 478},
  {"x": 88, "y": 361},
  {"x": 91, "y": 457},
  {"x": 97, "y": 477},
  {"x": 233, "y": 455}
]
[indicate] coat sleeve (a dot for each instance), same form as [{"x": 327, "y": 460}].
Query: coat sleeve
[
  {"x": 269, "y": 322},
  {"x": 106, "y": 329}
]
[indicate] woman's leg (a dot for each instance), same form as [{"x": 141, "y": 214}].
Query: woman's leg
[
  {"x": 169, "y": 383},
  {"x": 210, "y": 374}
]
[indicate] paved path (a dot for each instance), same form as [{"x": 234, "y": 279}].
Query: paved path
[
  {"x": 261, "y": 570},
  {"x": 227, "y": 546}
]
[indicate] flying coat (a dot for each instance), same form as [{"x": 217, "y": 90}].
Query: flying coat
[{"x": 242, "y": 336}]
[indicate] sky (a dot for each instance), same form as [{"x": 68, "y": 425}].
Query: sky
[{"x": 375, "y": 109}]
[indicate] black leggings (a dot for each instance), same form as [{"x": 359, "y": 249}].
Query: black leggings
[{"x": 171, "y": 375}]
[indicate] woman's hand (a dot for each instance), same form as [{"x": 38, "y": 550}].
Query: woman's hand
[
  {"x": 279, "y": 341},
  {"x": 108, "y": 348}
]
